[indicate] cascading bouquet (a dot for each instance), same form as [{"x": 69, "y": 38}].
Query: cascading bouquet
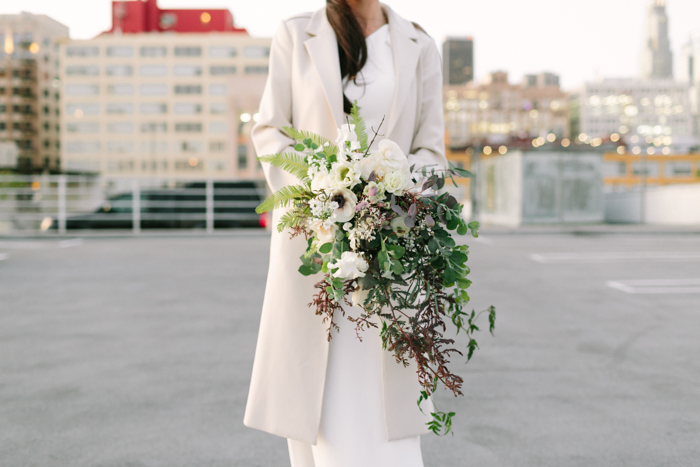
[{"x": 380, "y": 235}]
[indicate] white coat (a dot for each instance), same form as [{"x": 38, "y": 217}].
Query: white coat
[{"x": 304, "y": 90}]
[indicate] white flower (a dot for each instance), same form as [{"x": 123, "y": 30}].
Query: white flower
[
  {"x": 397, "y": 182},
  {"x": 349, "y": 266},
  {"x": 398, "y": 225},
  {"x": 390, "y": 156},
  {"x": 346, "y": 134},
  {"x": 323, "y": 234},
  {"x": 359, "y": 296},
  {"x": 344, "y": 174},
  {"x": 346, "y": 201},
  {"x": 320, "y": 181}
]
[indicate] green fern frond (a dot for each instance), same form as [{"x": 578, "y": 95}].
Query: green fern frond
[
  {"x": 300, "y": 135},
  {"x": 283, "y": 197},
  {"x": 293, "y": 218},
  {"x": 289, "y": 162},
  {"x": 360, "y": 127}
]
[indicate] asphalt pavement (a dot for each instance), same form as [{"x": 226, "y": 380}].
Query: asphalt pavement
[{"x": 137, "y": 351}]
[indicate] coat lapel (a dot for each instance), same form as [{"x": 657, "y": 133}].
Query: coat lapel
[
  {"x": 322, "y": 47},
  {"x": 404, "y": 43}
]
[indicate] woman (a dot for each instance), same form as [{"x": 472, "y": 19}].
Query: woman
[{"x": 342, "y": 402}]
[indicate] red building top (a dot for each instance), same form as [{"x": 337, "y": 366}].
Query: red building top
[{"x": 134, "y": 16}]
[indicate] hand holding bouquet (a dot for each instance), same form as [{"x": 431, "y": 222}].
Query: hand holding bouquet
[{"x": 381, "y": 236}]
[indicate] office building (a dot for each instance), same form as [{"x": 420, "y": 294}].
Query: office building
[
  {"x": 657, "y": 59},
  {"x": 458, "y": 60},
  {"x": 155, "y": 95},
  {"x": 29, "y": 94}
]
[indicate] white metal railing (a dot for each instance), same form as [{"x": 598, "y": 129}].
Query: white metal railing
[{"x": 61, "y": 203}]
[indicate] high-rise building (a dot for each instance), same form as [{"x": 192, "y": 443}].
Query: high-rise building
[
  {"x": 498, "y": 112},
  {"x": 458, "y": 60},
  {"x": 29, "y": 94},
  {"x": 650, "y": 116},
  {"x": 657, "y": 59},
  {"x": 690, "y": 73},
  {"x": 157, "y": 95}
]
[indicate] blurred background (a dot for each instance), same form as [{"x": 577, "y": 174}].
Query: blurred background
[{"x": 133, "y": 265}]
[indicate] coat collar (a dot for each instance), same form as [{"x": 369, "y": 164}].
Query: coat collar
[{"x": 322, "y": 47}]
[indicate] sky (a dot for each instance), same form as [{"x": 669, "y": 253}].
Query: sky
[{"x": 579, "y": 40}]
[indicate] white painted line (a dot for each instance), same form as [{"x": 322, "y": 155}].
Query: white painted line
[
  {"x": 70, "y": 243},
  {"x": 657, "y": 286},
  {"x": 617, "y": 257},
  {"x": 3, "y": 256}
]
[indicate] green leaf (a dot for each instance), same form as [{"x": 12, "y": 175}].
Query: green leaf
[
  {"x": 462, "y": 229},
  {"x": 306, "y": 270},
  {"x": 295, "y": 164},
  {"x": 284, "y": 197},
  {"x": 397, "y": 251},
  {"x": 360, "y": 128},
  {"x": 462, "y": 172},
  {"x": 326, "y": 248},
  {"x": 300, "y": 135},
  {"x": 293, "y": 218},
  {"x": 299, "y": 147}
]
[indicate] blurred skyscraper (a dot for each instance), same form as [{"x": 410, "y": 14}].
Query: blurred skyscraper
[
  {"x": 29, "y": 95},
  {"x": 690, "y": 73},
  {"x": 458, "y": 60},
  {"x": 155, "y": 95},
  {"x": 657, "y": 59}
]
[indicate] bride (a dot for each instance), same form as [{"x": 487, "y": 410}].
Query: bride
[{"x": 344, "y": 401}]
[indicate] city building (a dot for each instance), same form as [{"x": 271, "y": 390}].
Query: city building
[
  {"x": 155, "y": 95},
  {"x": 496, "y": 112},
  {"x": 458, "y": 60},
  {"x": 649, "y": 116},
  {"x": 690, "y": 73},
  {"x": 657, "y": 59},
  {"x": 29, "y": 94}
]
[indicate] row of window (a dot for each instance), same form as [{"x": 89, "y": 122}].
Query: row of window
[
  {"x": 145, "y": 127},
  {"x": 26, "y": 126},
  {"x": 145, "y": 108},
  {"x": 145, "y": 147},
  {"x": 162, "y": 70},
  {"x": 116, "y": 166},
  {"x": 154, "y": 89},
  {"x": 123, "y": 51}
]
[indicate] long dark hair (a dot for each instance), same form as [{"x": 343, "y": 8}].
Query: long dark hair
[{"x": 352, "y": 47}]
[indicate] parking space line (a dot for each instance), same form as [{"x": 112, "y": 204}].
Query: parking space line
[
  {"x": 657, "y": 286},
  {"x": 616, "y": 257}
]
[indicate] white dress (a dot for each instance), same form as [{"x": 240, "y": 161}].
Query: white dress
[{"x": 352, "y": 431}]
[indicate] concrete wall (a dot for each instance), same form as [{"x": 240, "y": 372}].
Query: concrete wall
[
  {"x": 499, "y": 182},
  {"x": 661, "y": 205}
]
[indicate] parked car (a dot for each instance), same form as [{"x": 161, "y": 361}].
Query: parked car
[{"x": 234, "y": 205}]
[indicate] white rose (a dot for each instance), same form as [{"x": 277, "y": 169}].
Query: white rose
[
  {"x": 347, "y": 201},
  {"x": 349, "y": 266},
  {"x": 346, "y": 133},
  {"x": 344, "y": 174},
  {"x": 359, "y": 296},
  {"x": 323, "y": 234},
  {"x": 320, "y": 182},
  {"x": 390, "y": 156},
  {"x": 397, "y": 182}
]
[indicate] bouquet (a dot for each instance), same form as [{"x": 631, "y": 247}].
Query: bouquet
[{"x": 382, "y": 237}]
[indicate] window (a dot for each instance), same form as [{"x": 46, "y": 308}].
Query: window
[
  {"x": 222, "y": 70},
  {"x": 82, "y": 89},
  {"x": 119, "y": 70},
  {"x": 187, "y": 108},
  {"x": 153, "y": 70},
  {"x": 82, "y": 147},
  {"x": 255, "y": 70},
  {"x": 79, "y": 70},
  {"x": 47, "y": 143},
  {"x": 155, "y": 89},
  {"x": 187, "y": 70},
  {"x": 188, "y": 89},
  {"x": 120, "y": 108},
  {"x": 46, "y": 126},
  {"x": 120, "y": 147},
  {"x": 78, "y": 110},
  {"x": 3, "y": 126},
  {"x": 217, "y": 89},
  {"x": 154, "y": 51},
  {"x": 154, "y": 147},
  {"x": 217, "y": 146},
  {"x": 124, "y": 128},
  {"x": 242, "y": 156},
  {"x": 217, "y": 127},
  {"x": 256, "y": 51},
  {"x": 79, "y": 51},
  {"x": 120, "y": 51},
  {"x": 188, "y": 51},
  {"x": 121, "y": 89},
  {"x": 83, "y": 127},
  {"x": 222, "y": 51},
  {"x": 154, "y": 127},
  {"x": 217, "y": 108},
  {"x": 152, "y": 108},
  {"x": 190, "y": 146},
  {"x": 184, "y": 127}
]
